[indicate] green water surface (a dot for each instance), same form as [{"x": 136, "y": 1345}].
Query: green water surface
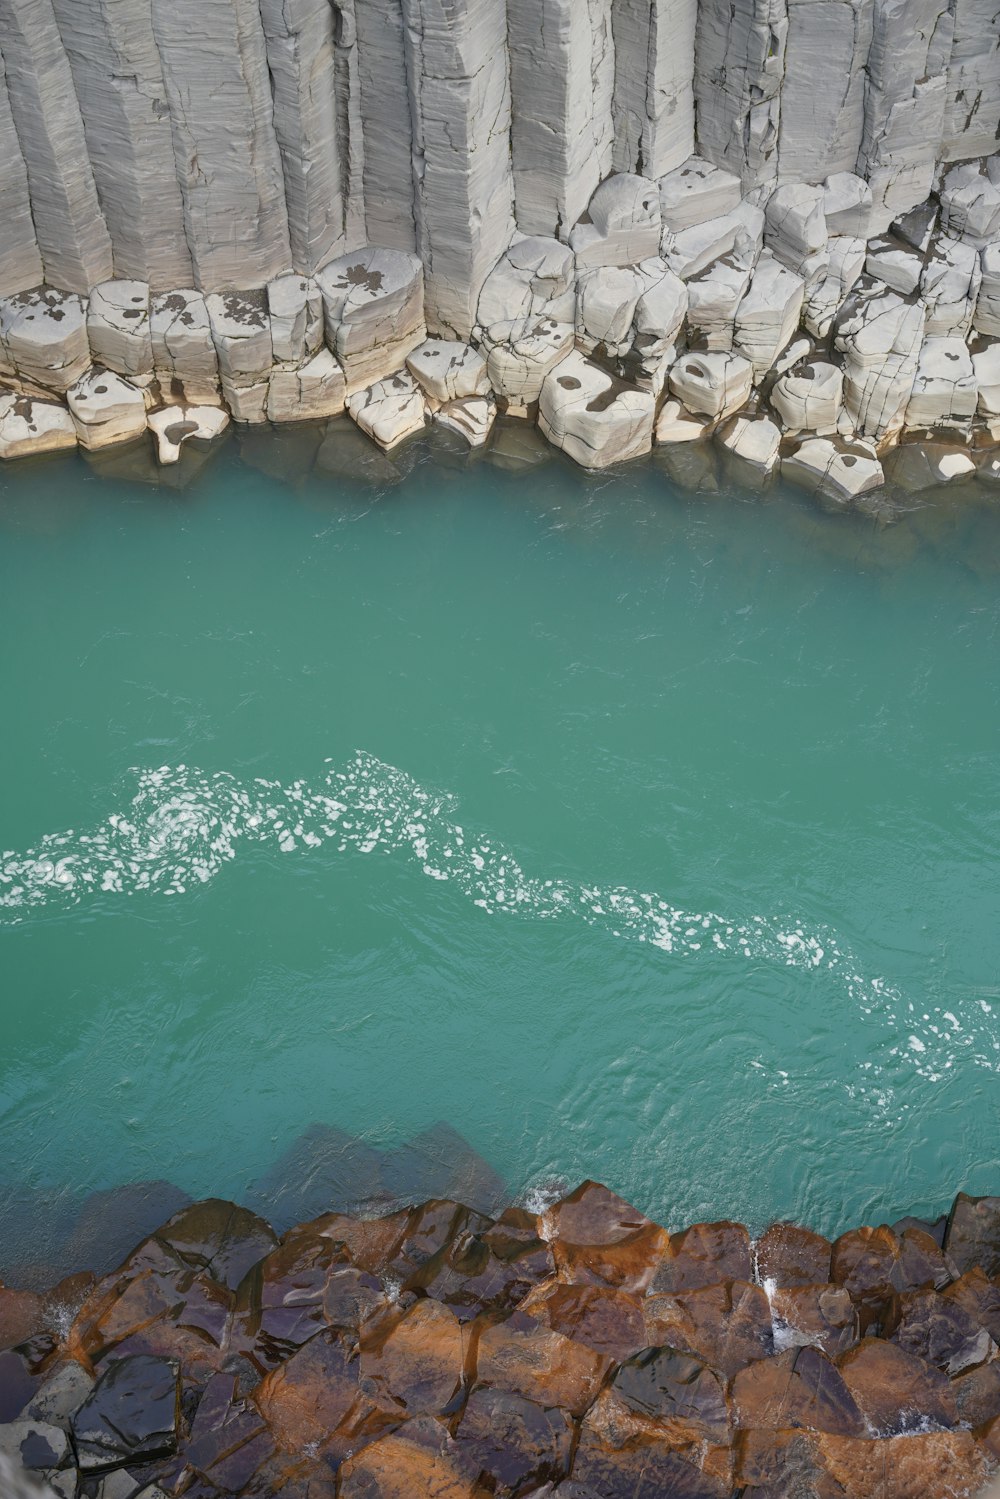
[{"x": 666, "y": 851}]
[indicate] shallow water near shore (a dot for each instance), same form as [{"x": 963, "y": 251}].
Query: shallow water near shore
[{"x": 631, "y": 834}]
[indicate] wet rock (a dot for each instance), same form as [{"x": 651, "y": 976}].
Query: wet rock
[
  {"x": 215, "y": 1236},
  {"x": 421, "y": 1458},
  {"x": 704, "y": 1255},
  {"x": 940, "y": 1462},
  {"x": 918, "y": 466},
  {"x": 426, "y": 1231},
  {"x": 17, "y": 1386},
  {"x": 728, "y": 1325},
  {"x": 106, "y": 409},
  {"x": 833, "y": 467},
  {"x": 471, "y": 419},
  {"x": 314, "y": 1401},
  {"x": 643, "y": 1466},
  {"x": 973, "y": 1234},
  {"x": 680, "y": 1393},
  {"x": 873, "y": 1263},
  {"x": 296, "y": 1291},
  {"x": 490, "y": 1271},
  {"x": 940, "y": 1331},
  {"x": 21, "y": 1317},
  {"x": 35, "y": 1445},
  {"x": 173, "y": 425},
  {"x": 979, "y": 1296},
  {"x": 60, "y": 1397},
  {"x": 821, "y": 1316},
  {"x": 390, "y": 411},
  {"x": 793, "y": 1256},
  {"x": 690, "y": 466},
  {"x": 528, "y": 1359},
  {"x": 518, "y": 1445},
  {"x": 229, "y": 1440},
  {"x": 977, "y": 1394},
  {"x": 416, "y": 1361},
  {"x": 799, "y": 1388},
  {"x": 608, "y": 1321},
  {"x": 895, "y": 1390},
  {"x": 595, "y": 418},
  {"x": 130, "y": 1417},
  {"x": 598, "y": 1239}
]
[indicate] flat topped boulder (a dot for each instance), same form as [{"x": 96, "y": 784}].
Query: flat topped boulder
[
  {"x": 118, "y": 327},
  {"x": 795, "y": 223},
  {"x": 788, "y": 1255},
  {"x": 945, "y": 389},
  {"x": 106, "y": 409},
  {"x": 29, "y": 425},
  {"x": 527, "y": 1358},
  {"x": 241, "y": 331},
  {"x": 768, "y": 315},
  {"x": 847, "y": 205},
  {"x": 131, "y": 1416},
  {"x": 391, "y": 410},
  {"x": 43, "y": 337},
  {"x": 532, "y": 279},
  {"x": 836, "y": 468},
  {"x": 520, "y": 355},
  {"x": 715, "y": 383},
  {"x": 593, "y": 416},
  {"x": 622, "y": 226},
  {"x": 675, "y": 1388},
  {"x": 173, "y": 425},
  {"x": 970, "y": 204},
  {"x": 184, "y": 357},
  {"x": 471, "y": 418},
  {"x": 896, "y": 1391},
  {"x": 695, "y": 192},
  {"x": 516, "y": 1442},
  {"x": 799, "y": 1388},
  {"x": 753, "y": 441},
  {"x": 809, "y": 398},
  {"x": 373, "y": 306},
  {"x": 449, "y": 371},
  {"x": 310, "y": 391}
]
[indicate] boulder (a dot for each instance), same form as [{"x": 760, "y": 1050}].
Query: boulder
[
  {"x": 622, "y": 226},
  {"x": 492, "y": 1270},
  {"x": 986, "y": 318},
  {"x": 713, "y": 297},
  {"x": 594, "y": 417},
  {"x": 373, "y": 306},
  {"x": 184, "y": 357},
  {"x": 131, "y": 1416},
  {"x": 521, "y": 355},
  {"x": 27, "y": 426},
  {"x": 817, "y": 1316},
  {"x": 448, "y": 371},
  {"x": 705, "y": 1255},
  {"x": 986, "y": 371},
  {"x": 173, "y": 425},
  {"x": 471, "y": 418},
  {"x": 606, "y": 1320},
  {"x": 605, "y": 310},
  {"x": 659, "y": 318},
  {"x": 902, "y": 1467},
  {"x": 835, "y": 468},
  {"x": 35, "y": 1446},
  {"x": 246, "y": 398},
  {"x": 295, "y": 310},
  {"x": 799, "y": 1388},
  {"x": 420, "y": 1458},
  {"x": 676, "y": 1391},
  {"x": 228, "y": 1441},
  {"x": 390, "y": 411},
  {"x": 939, "y": 1330},
  {"x": 633, "y": 1459},
  {"x": 918, "y": 227},
  {"x": 824, "y": 298},
  {"x": 809, "y": 398},
  {"x": 534, "y": 279},
  {"x": 977, "y": 1394},
  {"x": 768, "y": 315},
  {"x": 949, "y": 286},
  {"x": 696, "y": 192},
  {"x": 880, "y": 336},
  {"x": 213, "y": 1236},
  {"x": 60, "y": 1397},
  {"x": 526, "y": 1358},
  {"x": 516, "y": 1443},
  {"x": 739, "y": 233},
  {"x": 241, "y": 332},
  {"x": 311, "y": 392},
  {"x": 787, "y": 1255},
  {"x": 970, "y": 205},
  {"x": 106, "y": 409},
  {"x": 795, "y": 228},
  {"x": 715, "y": 383},
  {"x": 314, "y": 1400},
  {"x": 415, "y": 1361},
  {"x": 118, "y": 328},
  {"x": 895, "y": 265},
  {"x": 873, "y": 1264},
  {"x": 727, "y": 1326},
  {"x": 754, "y": 442},
  {"x": 43, "y": 338},
  {"x": 979, "y": 1296},
  {"x": 945, "y": 391},
  {"x": 847, "y": 205},
  {"x": 676, "y": 425},
  {"x": 896, "y": 1391}
]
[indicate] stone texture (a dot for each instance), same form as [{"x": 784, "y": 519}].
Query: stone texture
[
  {"x": 27, "y": 426},
  {"x": 809, "y": 398},
  {"x": 43, "y": 338},
  {"x": 896, "y": 1391},
  {"x": 131, "y": 1416},
  {"x": 740, "y": 49},
  {"x": 373, "y": 304},
  {"x": 823, "y": 93},
  {"x": 184, "y": 357},
  {"x": 972, "y": 105},
  {"x": 310, "y": 391},
  {"x": 20, "y": 261},
  {"x": 654, "y": 85},
  {"x": 837, "y": 469},
  {"x": 594, "y": 417},
  {"x": 173, "y": 425},
  {"x": 295, "y": 307},
  {"x": 768, "y": 315},
  {"x": 945, "y": 390},
  {"x": 717, "y": 384},
  {"x": 388, "y": 130},
  {"x": 448, "y": 371},
  {"x": 880, "y": 337},
  {"x": 526, "y": 1358},
  {"x": 814, "y": 1316},
  {"x": 106, "y": 409},
  {"x": 118, "y": 327},
  {"x": 727, "y": 1325},
  {"x": 623, "y": 226},
  {"x": 390, "y": 411}
]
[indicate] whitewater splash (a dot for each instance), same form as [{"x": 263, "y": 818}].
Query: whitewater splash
[{"x": 183, "y": 825}]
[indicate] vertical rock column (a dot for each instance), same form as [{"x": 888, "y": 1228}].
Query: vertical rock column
[
  {"x": 228, "y": 165},
  {"x": 972, "y": 111},
  {"x": 119, "y": 83},
  {"x": 739, "y": 71},
  {"x": 350, "y": 137},
  {"x": 460, "y": 96},
  {"x": 388, "y": 133},
  {"x": 20, "y": 262},
  {"x": 70, "y": 229},
  {"x": 562, "y": 72},
  {"x": 823, "y": 93},
  {"x": 654, "y": 85},
  {"x": 299, "y": 37}
]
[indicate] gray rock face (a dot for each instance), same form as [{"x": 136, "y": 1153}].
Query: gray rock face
[
  {"x": 118, "y": 327},
  {"x": 225, "y": 151},
  {"x": 43, "y": 338},
  {"x": 119, "y": 83},
  {"x": 184, "y": 357},
  {"x": 373, "y": 306},
  {"x": 295, "y": 305},
  {"x": 562, "y": 66},
  {"x": 740, "y": 47},
  {"x": 654, "y": 85},
  {"x": 72, "y": 234},
  {"x": 823, "y": 94},
  {"x": 20, "y": 262},
  {"x": 106, "y": 409},
  {"x": 972, "y": 105},
  {"x": 388, "y": 131}
]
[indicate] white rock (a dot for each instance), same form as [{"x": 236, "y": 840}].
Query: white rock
[
  {"x": 713, "y": 297},
  {"x": 880, "y": 337},
  {"x": 43, "y": 338},
  {"x": 918, "y": 227},
  {"x": 659, "y": 318},
  {"x": 949, "y": 286},
  {"x": 768, "y": 316},
  {"x": 654, "y": 76},
  {"x": 945, "y": 390},
  {"x": 173, "y": 425},
  {"x": 295, "y": 309},
  {"x": 624, "y": 227},
  {"x": 106, "y": 409},
  {"x": 676, "y": 424},
  {"x": 895, "y": 265},
  {"x": 184, "y": 357},
  {"x": 986, "y": 318},
  {"x": 534, "y": 278},
  {"x": 835, "y": 468},
  {"x": 390, "y": 410},
  {"x": 373, "y": 302},
  {"x": 523, "y": 355},
  {"x": 118, "y": 327},
  {"x": 824, "y": 298},
  {"x": 755, "y": 441},
  {"x": 822, "y": 103},
  {"x": 810, "y": 398},
  {"x": 970, "y": 205},
  {"x": 310, "y": 392},
  {"x": 471, "y": 417},
  {"x": 29, "y": 425},
  {"x": 972, "y": 109},
  {"x": 593, "y": 417},
  {"x": 247, "y": 397},
  {"x": 20, "y": 261},
  {"x": 740, "y": 234},
  {"x": 449, "y": 371},
  {"x": 795, "y": 228},
  {"x": 740, "y": 50},
  {"x": 241, "y": 331},
  {"x": 387, "y": 158},
  {"x": 986, "y": 368},
  {"x": 715, "y": 383},
  {"x": 695, "y": 193},
  {"x": 847, "y": 205},
  {"x": 606, "y": 303}
]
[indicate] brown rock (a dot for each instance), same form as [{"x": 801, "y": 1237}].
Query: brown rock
[
  {"x": 782, "y": 1465},
  {"x": 680, "y": 1393},
  {"x": 980, "y": 1297},
  {"x": 940, "y": 1331},
  {"x": 608, "y": 1321},
  {"x": 598, "y": 1239},
  {"x": 417, "y": 1362},
  {"x": 977, "y": 1394},
  {"x": 127, "y": 1307},
  {"x": 792, "y": 1256},
  {"x": 895, "y": 1391},
  {"x": 368, "y": 1243},
  {"x": 430, "y": 1229},
  {"x": 517, "y": 1444},
  {"x": 306, "y": 1284},
  {"x": 874, "y": 1263},
  {"x": 420, "y": 1459},
  {"x": 728, "y": 1326},
  {"x": 705, "y": 1255},
  {"x": 314, "y": 1401},
  {"x": 527, "y": 1358},
  {"x": 21, "y": 1317},
  {"x": 972, "y": 1237},
  {"x": 798, "y": 1388},
  {"x": 488, "y": 1272},
  {"x": 821, "y": 1317},
  {"x": 293, "y": 1477},
  {"x": 938, "y": 1463},
  {"x": 988, "y": 1437},
  {"x": 217, "y": 1237},
  {"x": 641, "y": 1467},
  {"x": 229, "y": 1440}
]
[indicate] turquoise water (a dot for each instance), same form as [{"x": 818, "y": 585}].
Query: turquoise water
[{"x": 628, "y": 833}]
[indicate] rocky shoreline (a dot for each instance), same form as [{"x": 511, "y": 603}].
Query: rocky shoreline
[{"x": 582, "y": 1352}]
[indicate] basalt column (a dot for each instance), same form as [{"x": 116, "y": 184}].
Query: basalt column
[
  {"x": 740, "y": 67},
  {"x": 20, "y": 262},
  {"x": 823, "y": 92},
  {"x": 387, "y": 124},
  {"x": 654, "y": 85}
]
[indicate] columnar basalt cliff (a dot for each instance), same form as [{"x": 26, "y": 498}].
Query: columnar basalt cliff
[
  {"x": 774, "y": 223},
  {"x": 580, "y": 1353}
]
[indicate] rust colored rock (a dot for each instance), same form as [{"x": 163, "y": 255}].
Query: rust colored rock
[
  {"x": 728, "y": 1326},
  {"x": 793, "y": 1256},
  {"x": 314, "y": 1400},
  {"x": 293, "y": 1477},
  {"x": 678, "y": 1392},
  {"x": 988, "y": 1436},
  {"x": 217, "y": 1237},
  {"x": 973, "y": 1234},
  {"x": 979, "y": 1296},
  {"x": 608, "y": 1321},
  {"x": 923, "y": 1466},
  {"x": 122, "y": 1309},
  {"x": 131, "y": 1415},
  {"x": 65, "y": 1299},
  {"x": 527, "y": 1358},
  {"x": 873, "y": 1264},
  {"x": 895, "y": 1391},
  {"x": 306, "y": 1284},
  {"x": 229, "y": 1441},
  {"x": 641, "y": 1467},
  {"x": 419, "y": 1459},
  {"x": 821, "y": 1317},
  {"x": 368, "y": 1243},
  {"x": 488, "y": 1272},
  {"x": 705, "y": 1255},
  {"x": 799, "y": 1388},
  {"x": 430, "y": 1229},
  {"x": 940, "y": 1331},
  {"x": 517, "y": 1444},
  {"x": 22, "y": 1317},
  {"x": 977, "y": 1394},
  {"x": 776, "y": 1464},
  {"x": 417, "y": 1362},
  {"x": 598, "y": 1239}
]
